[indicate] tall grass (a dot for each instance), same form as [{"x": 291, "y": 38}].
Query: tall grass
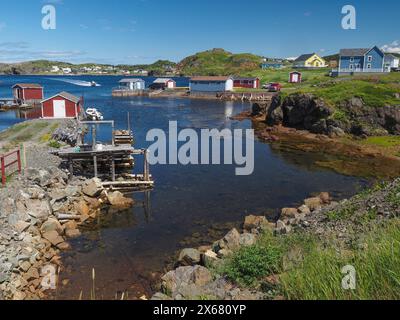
[{"x": 377, "y": 265}]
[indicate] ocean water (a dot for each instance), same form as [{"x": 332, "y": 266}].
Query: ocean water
[{"x": 190, "y": 205}]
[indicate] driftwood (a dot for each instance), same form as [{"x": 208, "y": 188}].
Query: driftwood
[{"x": 68, "y": 217}]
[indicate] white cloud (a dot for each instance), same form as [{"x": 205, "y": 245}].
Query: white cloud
[{"x": 393, "y": 47}]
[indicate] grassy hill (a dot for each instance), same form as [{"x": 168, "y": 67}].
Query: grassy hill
[
  {"x": 160, "y": 67},
  {"x": 218, "y": 62}
]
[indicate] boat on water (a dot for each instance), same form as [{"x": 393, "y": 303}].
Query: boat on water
[
  {"x": 93, "y": 114},
  {"x": 94, "y": 84}
]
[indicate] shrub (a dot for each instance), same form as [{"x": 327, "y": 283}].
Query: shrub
[
  {"x": 54, "y": 144},
  {"x": 250, "y": 264}
]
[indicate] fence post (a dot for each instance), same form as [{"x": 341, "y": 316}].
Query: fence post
[
  {"x": 19, "y": 160},
  {"x": 3, "y": 172}
]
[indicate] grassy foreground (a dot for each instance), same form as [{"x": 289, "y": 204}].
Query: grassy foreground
[{"x": 309, "y": 270}]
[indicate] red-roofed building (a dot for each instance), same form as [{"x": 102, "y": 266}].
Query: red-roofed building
[
  {"x": 249, "y": 83},
  {"x": 29, "y": 93},
  {"x": 61, "y": 106}
]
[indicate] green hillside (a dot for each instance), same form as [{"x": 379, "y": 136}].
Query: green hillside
[{"x": 218, "y": 62}]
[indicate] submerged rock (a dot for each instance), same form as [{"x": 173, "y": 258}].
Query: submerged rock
[{"x": 189, "y": 257}]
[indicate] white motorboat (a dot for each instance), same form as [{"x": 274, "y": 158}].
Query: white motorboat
[{"x": 94, "y": 114}]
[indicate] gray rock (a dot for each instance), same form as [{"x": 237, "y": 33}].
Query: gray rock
[
  {"x": 189, "y": 257},
  {"x": 93, "y": 188},
  {"x": 230, "y": 242},
  {"x": 247, "y": 239}
]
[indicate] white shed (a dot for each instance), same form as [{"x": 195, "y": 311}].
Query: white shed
[
  {"x": 391, "y": 61},
  {"x": 133, "y": 84},
  {"x": 211, "y": 84}
]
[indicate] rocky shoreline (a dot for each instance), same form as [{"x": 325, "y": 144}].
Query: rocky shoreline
[
  {"x": 39, "y": 211},
  {"x": 194, "y": 277}
]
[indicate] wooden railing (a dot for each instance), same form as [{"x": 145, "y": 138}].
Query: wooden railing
[{"x": 7, "y": 160}]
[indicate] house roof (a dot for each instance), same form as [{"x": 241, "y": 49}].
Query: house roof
[
  {"x": 358, "y": 52},
  {"x": 210, "y": 79},
  {"x": 304, "y": 57},
  {"x": 131, "y": 80},
  {"x": 65, "y": 95},
  {"x": 162, "y": 80},
  {"x": 28, "y": 86},
  {"x": 391, "y": 55}
]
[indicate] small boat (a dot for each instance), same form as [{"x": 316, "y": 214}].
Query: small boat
[
  {"x": 94, "y": 114},
  {"x": 94, "y": 84}
]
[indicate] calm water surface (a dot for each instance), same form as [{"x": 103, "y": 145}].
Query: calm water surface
[{"x": 191, "y": 205}]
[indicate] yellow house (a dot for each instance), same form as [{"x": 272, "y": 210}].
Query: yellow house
[{"x": 311, "y": 60}]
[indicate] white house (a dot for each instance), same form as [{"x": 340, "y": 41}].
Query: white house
[
  {"x": 391, "y": 61},
  {"x": 55, "y": 69},
  {"x": 66, "y": 70},
  {"x": 211, "y": 84}
]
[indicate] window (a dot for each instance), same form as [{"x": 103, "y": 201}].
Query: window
[
  {"x": 351, "y": 67},
  {"x": 369, "y": 66},
  {"x": 352, "y": 59},
  {"x": 369, "y": 58},
  {"x": 357, "y": 66}
]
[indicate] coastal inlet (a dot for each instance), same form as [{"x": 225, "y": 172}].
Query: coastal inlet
[{"x": 191, "y": 205}]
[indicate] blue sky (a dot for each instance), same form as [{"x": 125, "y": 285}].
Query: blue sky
[{"x": 142, "y": 31}]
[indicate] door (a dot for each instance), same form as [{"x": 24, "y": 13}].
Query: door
[
  {"x": 59, "y": 109},
  {"x": 295, "y": 78}
]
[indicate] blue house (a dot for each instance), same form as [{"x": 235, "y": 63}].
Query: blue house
[
  {"x": 271, "y": 65},
  {"x": 368, "y": 60}
]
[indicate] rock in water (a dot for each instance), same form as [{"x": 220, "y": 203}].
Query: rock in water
[
  {"x": 93, "y": 188},
  {"x": 117, "y": 199},
  {"x": 189, "y": 257}
]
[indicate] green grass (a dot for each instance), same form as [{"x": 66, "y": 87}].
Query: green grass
[
  {"x": 384, "y": 141},
  {"x": 13, "y": 130},
  {"x": 343, "y": 213},
  {"x": 377, "y": 265}
]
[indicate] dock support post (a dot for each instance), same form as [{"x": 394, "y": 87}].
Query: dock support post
[
  {"x": 113, "y": 133},
  {"x": 71, "y": 166},
  {"x": 146, "y": 165},
  {"x": 94, "y": 140},
  {"x": 113, "y": 168},
  {"x": 95, "y": 166}
]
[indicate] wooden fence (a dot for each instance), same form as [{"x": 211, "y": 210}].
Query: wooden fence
[{"x": 7, "y": 161}]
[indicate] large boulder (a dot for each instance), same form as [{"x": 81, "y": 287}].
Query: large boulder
[
  {"x": 230, "y": 242},
  {"x": 52, "y": 225},
  {"x": 117, "y": 199},
  {"x": 186, "y": 282},
  {"x": 254, "y": 222},
  {"x": 93, "y": 188}
]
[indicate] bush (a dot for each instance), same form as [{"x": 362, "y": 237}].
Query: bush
[
  {"x": 54, "y": 144},
  {"x": 252, "y": 263}
]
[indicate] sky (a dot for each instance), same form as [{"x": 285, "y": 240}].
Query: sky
[{"x": 143, "y": 31}]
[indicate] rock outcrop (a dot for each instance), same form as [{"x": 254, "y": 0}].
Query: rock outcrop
[{"x": 307, "y": 112}]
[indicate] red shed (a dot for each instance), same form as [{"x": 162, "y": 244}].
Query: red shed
[
  {"x": 249, "y": 83},
  {"x": 295, "y": 77},
  {"x": 62, "y": 105},
  {"x": 28, "y": 93}
]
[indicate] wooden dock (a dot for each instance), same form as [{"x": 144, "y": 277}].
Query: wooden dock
[{"x": 112, "y": 163}]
